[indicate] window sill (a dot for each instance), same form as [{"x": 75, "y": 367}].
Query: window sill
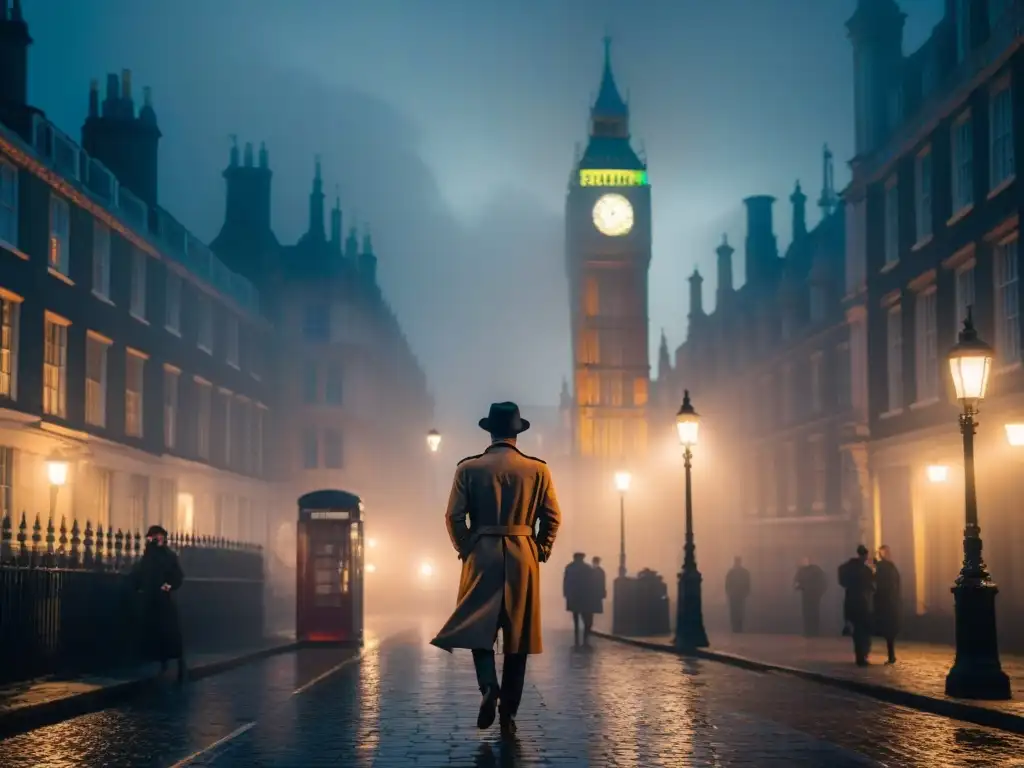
[
  {"x": 922, "y": 243},
  {"x": 10, "y": 247},
  {"x": 916, "y": 406},
  {"x": 889, "y": 267},
  {"x": 60, "y": 275},
  {"x": 961, "y": 214},
  {"x": 101, "y": 297},
  {"x": 890, "y": 414},
  {"x": 234, "y": 365},
  {"x": 142, "y": 320},
  {"x": 256, "y": 376},
  {"x": 207, "y": 350},
  {"x": 1001, "y": 186},
  {"x": 173, "y": 331}
]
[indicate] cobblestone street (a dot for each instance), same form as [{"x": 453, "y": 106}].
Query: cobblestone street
[{"x": 409, "y": 704}]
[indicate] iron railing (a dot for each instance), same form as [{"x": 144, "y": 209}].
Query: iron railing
[{"x": 65, "y": 606}]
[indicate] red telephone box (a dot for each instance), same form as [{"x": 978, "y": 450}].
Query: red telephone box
[{"x": 329, "y": 569}]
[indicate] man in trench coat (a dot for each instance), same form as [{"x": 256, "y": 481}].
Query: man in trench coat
[{"x": 513, "y": 513}]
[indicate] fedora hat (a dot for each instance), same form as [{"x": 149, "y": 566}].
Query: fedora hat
[{"x": 504, "y": 420}]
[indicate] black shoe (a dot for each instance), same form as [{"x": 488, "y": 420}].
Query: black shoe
[
  {"x": 488, "y": 708},
  {"x": 863, "y": 663},
  {"x": 892, "y": 660}
]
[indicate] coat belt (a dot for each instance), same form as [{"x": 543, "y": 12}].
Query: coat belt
[{"x": 503, "y": 530}]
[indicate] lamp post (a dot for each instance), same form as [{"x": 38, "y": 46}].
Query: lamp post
[
  {"x": 433, "y": 440},
  {"x": 976, "y": 672},
  {"x": 690, "y": 632},
  {"x": 57, "y": 474},
  {"x": 622, "y": 482}
]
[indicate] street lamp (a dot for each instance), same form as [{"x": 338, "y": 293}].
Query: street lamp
[
  {"x": 976, "y": 672},
  {"x": 622, "y": 481},
  {"x": 433, "y": 440},
  {"x": 1015, "y": 435},
  {"x": 57, "y": 474},
  {"x": 937, "y": 473},
  {"x": 690, "y": 632}
]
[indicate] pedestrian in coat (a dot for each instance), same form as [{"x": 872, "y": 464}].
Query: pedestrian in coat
[
  {"x": 600, "y": 586},
  {"x": 578, "y": 589},
  {"x": 856, "y": 577},
  {"x": 888, "y": 601},
  {"x": 737, "y": 590},
  {"x": 510, "y": 501},
  {"x": 155, "y": 578},
  {"x": 810, "y": 583}
]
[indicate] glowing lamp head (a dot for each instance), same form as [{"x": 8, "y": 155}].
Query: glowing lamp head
[
  {"x": 371, "y": 568},
  {"x": 433, "y": 440},
  {"x": 937, "y": 473},
  {"x": 426, "y": 570},
  {"x": 371, "y": 543},
  {"x": 622, "y": 481},
  {"x": 1015, "y": 435},
  {"x": 970, "y": 363},
  {"x": 687, "y": 422},
  {"x": 57, "y": 472}
]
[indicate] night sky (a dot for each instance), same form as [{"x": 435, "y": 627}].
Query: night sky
[{"x": 449, "y": 126}]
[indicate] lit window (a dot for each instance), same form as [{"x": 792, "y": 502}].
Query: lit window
[
  {"x": 923, "y": 198},
  {"x": 60, "y": 235},
  {"x": 96, "y": 349},
  {"x": 172, "y": 309},
  {"x": 894, "y": 357},
  {"x": 1007, "y": 302},
  {"x": 137, "y": 307},
  {"x": 171, "y": 377},
  {"x": 892, "y": 222},
  {"x": 133, "y": 380},
  {"x": 100, "y": 259},
  {"x": 1001, "y": 136},
  {"x": 9, "y": 310},
  {"x": 8, "y": 203},
  {"x": 963, "y": 164},
  {"x": 591, "y": 305},
  {"x": 204, "y": 414},
  {"x": 55, "y": 366},
  {"x": 926, "y": 347}
]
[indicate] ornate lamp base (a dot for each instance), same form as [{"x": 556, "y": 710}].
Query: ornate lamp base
[
  {"x": 976, "y": 672},
  {"x": 690, "y": 633}
]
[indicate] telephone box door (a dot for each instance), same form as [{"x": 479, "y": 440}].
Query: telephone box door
[{"x": 328, "y": 593}]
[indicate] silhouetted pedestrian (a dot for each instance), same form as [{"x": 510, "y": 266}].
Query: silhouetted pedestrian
[
  {"x": 810, "y": 583},
  {"x": 155, "y": 577},
  {"x": 513, "y": 517},
  {"x": 888, "y": 601},
  {"x": 599, "y": 586},
  {"x": 577, "y": 588},
  {"x": 856, "y": 577},
  {"x": 737, "y": 590}
]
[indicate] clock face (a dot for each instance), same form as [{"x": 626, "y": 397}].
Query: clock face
[{"x": 613, "y": 215}]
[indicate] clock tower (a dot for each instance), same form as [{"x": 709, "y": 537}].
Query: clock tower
[{"x": 607, "y": 256}]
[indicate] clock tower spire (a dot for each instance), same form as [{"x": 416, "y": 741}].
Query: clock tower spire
[{"x": 607, "y": 255}]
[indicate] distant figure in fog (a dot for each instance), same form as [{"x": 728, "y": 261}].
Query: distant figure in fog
[
  {"x": 599, "y": 586},
  {"x": 154, "y": 578},
  {"x": 888, "y": 601},
  {"x": 513, "y": 513},
  {"x": 578, "y": 590},
  {"x": 856, "y": 577},
  {"x": 737, "y": 589},
  {"x": 810, "y": 583}
]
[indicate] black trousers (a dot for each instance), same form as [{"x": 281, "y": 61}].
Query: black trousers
[
  {"x": 588, "y": 624},
  {"x": 812, "y": 616},
  {"x": 736, "y": 614},
  {"x": 861, "y": 641},
  {"x": 513, "y": 671}
]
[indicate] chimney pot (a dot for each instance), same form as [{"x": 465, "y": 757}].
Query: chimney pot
[{"x": 126, "y": 84}]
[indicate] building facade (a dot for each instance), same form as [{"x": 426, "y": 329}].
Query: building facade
[
  {"x": 162, "y": 374},
  {"x": 766, "y": 371},
  {"x": 933, "y": 213}
]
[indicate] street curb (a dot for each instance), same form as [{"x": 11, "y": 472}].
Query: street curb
[
  {"x": 952, "y": 708},
  {"x": 33, "y": 716}
]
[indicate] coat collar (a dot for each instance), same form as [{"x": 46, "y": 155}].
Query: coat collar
[{"x": 498, "y": 444}]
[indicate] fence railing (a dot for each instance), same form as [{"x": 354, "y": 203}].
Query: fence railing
[{"x": 65, "y": 606}]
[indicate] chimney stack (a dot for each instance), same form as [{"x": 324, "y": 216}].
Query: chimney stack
[
  {"x": 696, "y": 294},
  {"x": 725, "y": 287},
  {"x": 762, "y": 251}
]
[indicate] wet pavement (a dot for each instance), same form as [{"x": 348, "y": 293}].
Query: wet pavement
[{"x": 408, "y": 704}]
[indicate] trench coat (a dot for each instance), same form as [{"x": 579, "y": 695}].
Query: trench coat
[
  {"x": 159, "y": 625},
  {"x": 513, "y": 519},
  {"x": 578, "y": 586},
  {"x": 599, "y": 589},
  {"x": 888, "y": 600}
]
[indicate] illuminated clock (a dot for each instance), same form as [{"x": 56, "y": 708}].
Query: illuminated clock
[{"x": 613, "y": 215}]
